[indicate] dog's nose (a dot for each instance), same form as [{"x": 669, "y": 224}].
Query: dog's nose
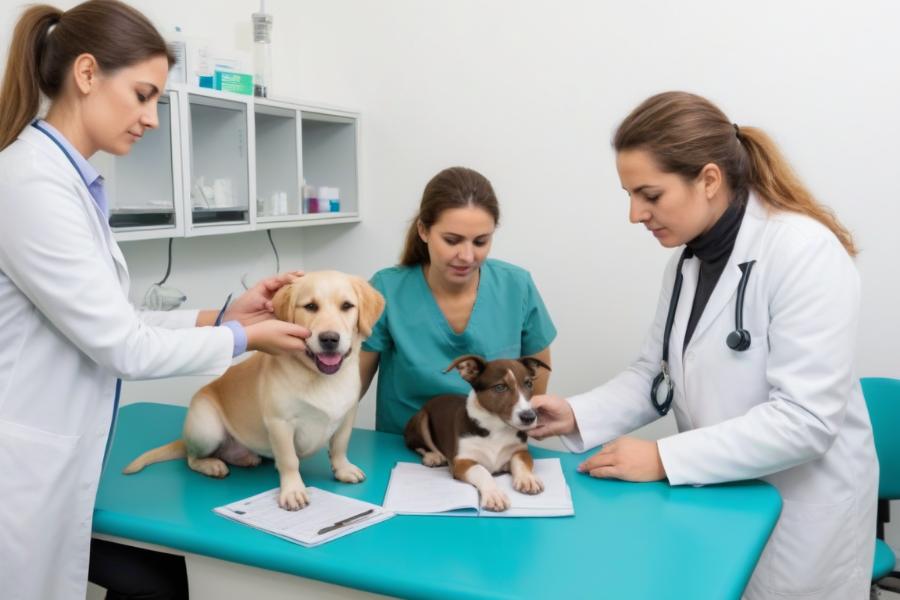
[
  {"x": 527, "y": 417},
  {"x": 329, "y": 340}
]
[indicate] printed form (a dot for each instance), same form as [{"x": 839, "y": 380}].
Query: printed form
[{"x": 325, "y": 511}]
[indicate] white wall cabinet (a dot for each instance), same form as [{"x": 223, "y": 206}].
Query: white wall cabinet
[
  {"x": 225, "y": 163},
  {"x": 297, "y": 144}
]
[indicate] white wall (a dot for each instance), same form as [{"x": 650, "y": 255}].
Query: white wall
[{"x": 529, "y": 93}]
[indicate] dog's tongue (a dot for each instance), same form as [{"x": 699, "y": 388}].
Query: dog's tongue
[{"x": 329, "y": 359}]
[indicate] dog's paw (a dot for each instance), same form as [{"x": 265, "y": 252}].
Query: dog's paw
[
  {"x": 433, "y": 459},
  {"x": 293, "y": 498},
  {"x": 494, "y": 500},
  {"x": 349, "y": 473},
  {"x": 528, "y": 484},
  {"x": 211, "y": 467}
]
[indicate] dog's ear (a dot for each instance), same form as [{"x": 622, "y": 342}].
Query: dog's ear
[
  {"x": 370, "y": 305},
  {"x": 532, "y": 364},
  {"x": 283, "y": 302},
  {"x": 469, "y": 366}
]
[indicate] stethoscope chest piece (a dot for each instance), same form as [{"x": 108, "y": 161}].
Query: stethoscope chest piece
[
  {"x": 739, "y": 339},
  {"x": 662, "y": 404}
]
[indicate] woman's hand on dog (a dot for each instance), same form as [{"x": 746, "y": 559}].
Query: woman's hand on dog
[
  {"x": 628, "y": 459},
  {"x": 276, "y": 337},
  {"x": 255, "y": 305},
  {"x": 554, "y": 417}
]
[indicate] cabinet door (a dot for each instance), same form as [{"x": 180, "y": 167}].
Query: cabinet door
[
  {"x": 144, "y": 186},
  {"x": 218, "y": 144}
]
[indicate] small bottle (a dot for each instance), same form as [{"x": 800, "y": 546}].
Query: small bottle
[
  {"x": 323, "y": 193},
  {"x": 310, "y": 202},
  {"x": 262, "y": 52},
  {"x": 334, "y": 200},
  {"x": 178, "y": 72},
  {"x": 200, "y": 62}
]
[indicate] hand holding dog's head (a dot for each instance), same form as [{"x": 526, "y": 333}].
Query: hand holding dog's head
[
  {"x": 312, "y": 293},
  {"x": 502, "y": 387},
  {"x": 339, "y": 309}
]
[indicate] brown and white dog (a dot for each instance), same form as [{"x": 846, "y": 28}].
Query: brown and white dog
[
  {"x": 286, "y": 407},
  {"x": 483, "y": 433}
]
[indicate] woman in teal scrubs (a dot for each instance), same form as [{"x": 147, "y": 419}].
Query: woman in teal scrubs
[{"x": 446, "y": 299}]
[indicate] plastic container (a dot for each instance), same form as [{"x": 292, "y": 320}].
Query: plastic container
[
  {"x": 310, "y": 200},
  {"x": 262, "y": 52},
  {"x": 323, "y": 193},
  {"x": 334, "y": 200},
  {"x": 200, "y": 62}
]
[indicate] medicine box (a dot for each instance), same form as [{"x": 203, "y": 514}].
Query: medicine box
[{"x": 239, "y": 83}]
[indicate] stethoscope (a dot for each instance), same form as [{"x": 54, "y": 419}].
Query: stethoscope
[
  {"x": 738, "y": 340},
  {"x": 64, "y": 151}
]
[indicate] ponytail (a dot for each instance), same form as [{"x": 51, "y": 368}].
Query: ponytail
[
  {"x": 415, "y": 250},
  {"x": 776, "y": 183},
  {"x": 46, "y": 41},
  {"x": 684, "y": 132},
  {"x": 20, "y": 94}
]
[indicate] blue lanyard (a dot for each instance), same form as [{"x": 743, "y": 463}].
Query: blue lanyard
[
  {"x": 64, "y": 151},
  {"x": 112, "y": 425}
]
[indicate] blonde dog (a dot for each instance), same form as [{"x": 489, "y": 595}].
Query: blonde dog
[{"x": 286, "y": 407}]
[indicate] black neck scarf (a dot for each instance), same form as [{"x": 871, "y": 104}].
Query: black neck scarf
[{"x": 713, "y": 250}]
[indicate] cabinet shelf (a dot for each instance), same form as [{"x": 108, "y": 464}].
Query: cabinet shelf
[{"x": 221, "y": 162}]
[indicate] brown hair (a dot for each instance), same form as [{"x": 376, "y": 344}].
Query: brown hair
[
  {"x": 456, "y": 187},
  {"x": 40, "y": 55},
  {"x": 684, "y": 132}
]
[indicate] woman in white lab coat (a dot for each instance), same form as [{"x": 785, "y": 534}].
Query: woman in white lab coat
[
  {"x": 67, "y": 326},
  {"x": 781, "y": 401}
]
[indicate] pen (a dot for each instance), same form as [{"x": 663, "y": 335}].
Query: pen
[
  {"x": 347, "y": 521},
  {"x": 222, "y": 312}
]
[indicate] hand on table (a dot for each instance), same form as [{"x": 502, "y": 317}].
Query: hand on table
[{"x": 626, "y": 458}]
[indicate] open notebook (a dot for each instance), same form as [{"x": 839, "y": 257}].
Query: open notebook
[
  {"x": 325, "y": 511},
  {"x": 415, "y": 489}
]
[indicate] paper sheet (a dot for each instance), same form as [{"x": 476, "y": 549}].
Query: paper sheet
[
  {"x": 415, "y": 489},
  {"x": 301, "y": 526}
]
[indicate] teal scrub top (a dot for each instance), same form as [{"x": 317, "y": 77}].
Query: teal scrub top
[{"x": 509, "y": 320}]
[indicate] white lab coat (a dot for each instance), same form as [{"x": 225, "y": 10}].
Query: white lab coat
[
  {"x": 68, "y": 331},
  {"x": 789, "y": 410}
]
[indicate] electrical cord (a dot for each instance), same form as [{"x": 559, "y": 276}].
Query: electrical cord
[
  {"x": 163, "y": 298},
  {"x": 169, "y": 266},
  {"x": 275, "y": 250},
  {"x": 277, "y": 261}
]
